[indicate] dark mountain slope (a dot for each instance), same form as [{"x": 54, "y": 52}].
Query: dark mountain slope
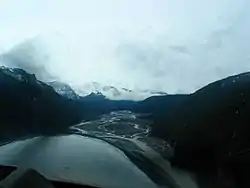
[
  {"x": 211, "y": 129},
  {"x": 95, "y": 105},
  {"x": 156, "y": 104},
  {"x": 28, "y": 105},
  {"x": 159, "y": 106}
]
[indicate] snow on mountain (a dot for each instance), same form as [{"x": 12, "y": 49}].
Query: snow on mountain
[
  {"x": 114, "y": 93},
  {"x": 63, "y": 89},
  {"x": 21, "y": 75},
  {"x": 95, "y": 88}
]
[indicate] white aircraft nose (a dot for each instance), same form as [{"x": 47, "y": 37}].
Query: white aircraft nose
[{"x": 76, "y": 159}]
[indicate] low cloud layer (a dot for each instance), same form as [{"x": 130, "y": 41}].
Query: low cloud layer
[
  {"x": 30, "y": 56},
  {"x": 172, "y": 46}
]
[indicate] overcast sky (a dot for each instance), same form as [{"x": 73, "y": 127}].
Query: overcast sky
[{"x": 176, "y": 46}]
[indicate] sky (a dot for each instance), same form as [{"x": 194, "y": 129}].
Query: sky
[{"x": 175, "y": 46}]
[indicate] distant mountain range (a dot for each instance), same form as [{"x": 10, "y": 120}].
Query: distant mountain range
[
  {"x": 109, "y": 92},
  {"x": 115, "y": 93}
]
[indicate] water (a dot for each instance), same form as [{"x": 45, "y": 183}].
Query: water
[
  {"x": 120, "y": 123},
  {"x": 123, "y": 125}
]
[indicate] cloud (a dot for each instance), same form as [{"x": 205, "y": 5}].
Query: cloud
[
  {"x": 179, "y": 49},
  {"x": 29, "y": 56},
  {"x": 170, "y": 46}
]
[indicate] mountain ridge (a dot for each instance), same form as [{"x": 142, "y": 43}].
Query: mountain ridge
[
  {"x": 29, "y": 106},
  {"x": 114, "y": 93}
]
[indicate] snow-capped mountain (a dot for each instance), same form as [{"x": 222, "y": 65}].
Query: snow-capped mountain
[
  {"x": 114, "y": 93},
  {"x": 22, "y": 76},
  {"x": 63, "y": 89},
  {"x": 97, "y": 89}
]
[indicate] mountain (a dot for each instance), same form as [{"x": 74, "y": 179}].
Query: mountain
[
  {"x": 97, "y": 101},
  {"x": 210, "y": 128},
  {"x": 31, "y": 106},
  {"x": 96, "y": 104},
  {"x": 156, "y": 105},
  {"x": 110, "y": 92},
  {"x": 114, "y": 93},
  {"x": 63, "y": 89}
]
